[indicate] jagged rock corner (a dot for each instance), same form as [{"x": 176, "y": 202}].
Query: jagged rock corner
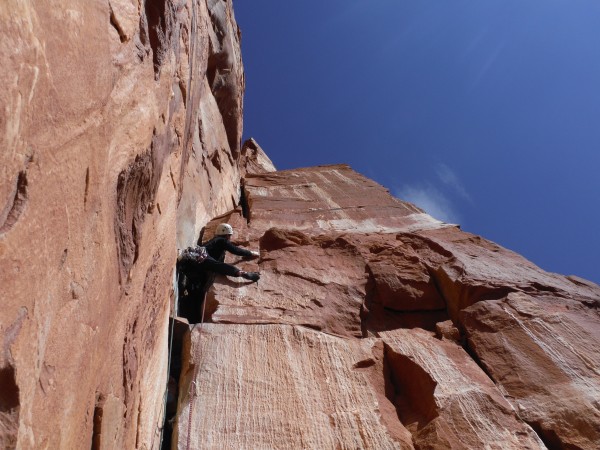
[{"x": 373, "y": 325}]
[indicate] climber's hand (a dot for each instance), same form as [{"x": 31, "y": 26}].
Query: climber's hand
[{"x": 252, "y": 276}]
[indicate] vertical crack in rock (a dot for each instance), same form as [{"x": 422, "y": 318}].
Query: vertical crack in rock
[
  {"x": 9, "y": 407},
  {"x": 138, "y": 427},
  {"x": 475, "y": 357},
  {"x": 411, "y": 390},
  {"x": 215, "y": 159},
  {"x": 14, "y": 207},
  {"x": 87, "y": 186},
  {"x": 192, "y": 95},
  {"x": 244, "y": 202},
  {"x": 116, "y": 25},
  {"x": 368, "y": 304},
  {"x": 10, "y": 401},
  {"x": 179, "y": 331},
  {"x": 156, "y": 28},
  {"x": 97, "y": 424},
  {"x": 436, "y": 285},
  {"x": 212, "y": 304}
]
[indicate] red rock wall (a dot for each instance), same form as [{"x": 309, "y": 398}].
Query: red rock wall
[
  {"x": 375, "y": 326},
  {"x": 121, "y": 128}
]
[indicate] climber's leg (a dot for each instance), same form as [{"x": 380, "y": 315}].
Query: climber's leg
[{"x": 212, "y": 265}]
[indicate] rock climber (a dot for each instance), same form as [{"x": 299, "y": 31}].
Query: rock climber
[
  {"x": 197, "y": 265},
  {"x": 216, "y": 249},
  {"x": 210, "y": 256}
]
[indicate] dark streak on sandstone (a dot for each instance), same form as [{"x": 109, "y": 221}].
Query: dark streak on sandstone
[{"x": 16, "y": 205}]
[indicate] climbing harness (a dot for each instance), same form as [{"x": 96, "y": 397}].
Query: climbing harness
[{"x": 196, "y": 253}]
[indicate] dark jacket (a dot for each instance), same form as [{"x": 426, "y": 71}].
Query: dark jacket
[{"x": 218, "y": 245}]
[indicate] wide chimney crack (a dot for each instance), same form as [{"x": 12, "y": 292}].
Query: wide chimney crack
[{"x": 178, "y": 333}]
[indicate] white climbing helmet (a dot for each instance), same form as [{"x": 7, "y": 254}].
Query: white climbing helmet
[{"x": 224, "y": 229}]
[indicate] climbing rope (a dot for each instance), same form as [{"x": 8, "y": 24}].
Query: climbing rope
[{"x": 193, "y": 392}]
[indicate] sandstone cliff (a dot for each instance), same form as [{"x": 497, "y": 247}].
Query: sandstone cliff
[
  {"x": 121, "y": 124},
  {"x": 377, "y": 326},
  {"x": 373, "y": 325}
]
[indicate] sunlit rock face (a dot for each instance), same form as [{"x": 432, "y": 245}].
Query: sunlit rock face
[
  {"x": 121, "y": 125},
  {"x": 254, "y": 160},
  {"x": 376, "y": 326},
  {"x": 373, "y": 325}
]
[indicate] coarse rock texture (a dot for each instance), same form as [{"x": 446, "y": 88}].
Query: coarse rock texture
[
  {"x": 544, "y": 352},
  {"x": 446, "y": 400},
  {"x": 121, "y": 128},
  {"x": 376, "y": 326},
  {"x": 242, "y": 407}
]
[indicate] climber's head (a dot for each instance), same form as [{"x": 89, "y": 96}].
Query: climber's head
[{"x": 224, "y": 229}]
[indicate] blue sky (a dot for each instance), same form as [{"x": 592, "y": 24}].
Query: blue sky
[{"x": 483, "y": 112}]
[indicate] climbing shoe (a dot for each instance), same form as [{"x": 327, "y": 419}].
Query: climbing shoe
[{"x": 252, "y": 276}]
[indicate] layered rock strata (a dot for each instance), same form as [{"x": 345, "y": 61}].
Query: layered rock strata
[
  {"x": 376, "y": 326},
  {"x": 121, "y": 128}
]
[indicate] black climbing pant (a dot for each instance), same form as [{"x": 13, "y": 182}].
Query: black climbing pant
[
  {"x": 194, "y": 280},
  {"x": 212, "y": 265}
]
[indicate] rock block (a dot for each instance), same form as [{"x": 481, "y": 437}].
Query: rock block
[{"x": 543, "y": 353}]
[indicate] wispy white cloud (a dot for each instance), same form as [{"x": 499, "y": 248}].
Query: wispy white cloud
[
  {"x": 488, "y": 64},
  {"x": 438, "y": 196},
  {"x": 450, "y": 179},
  {"x": 431, "y": 200}
]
